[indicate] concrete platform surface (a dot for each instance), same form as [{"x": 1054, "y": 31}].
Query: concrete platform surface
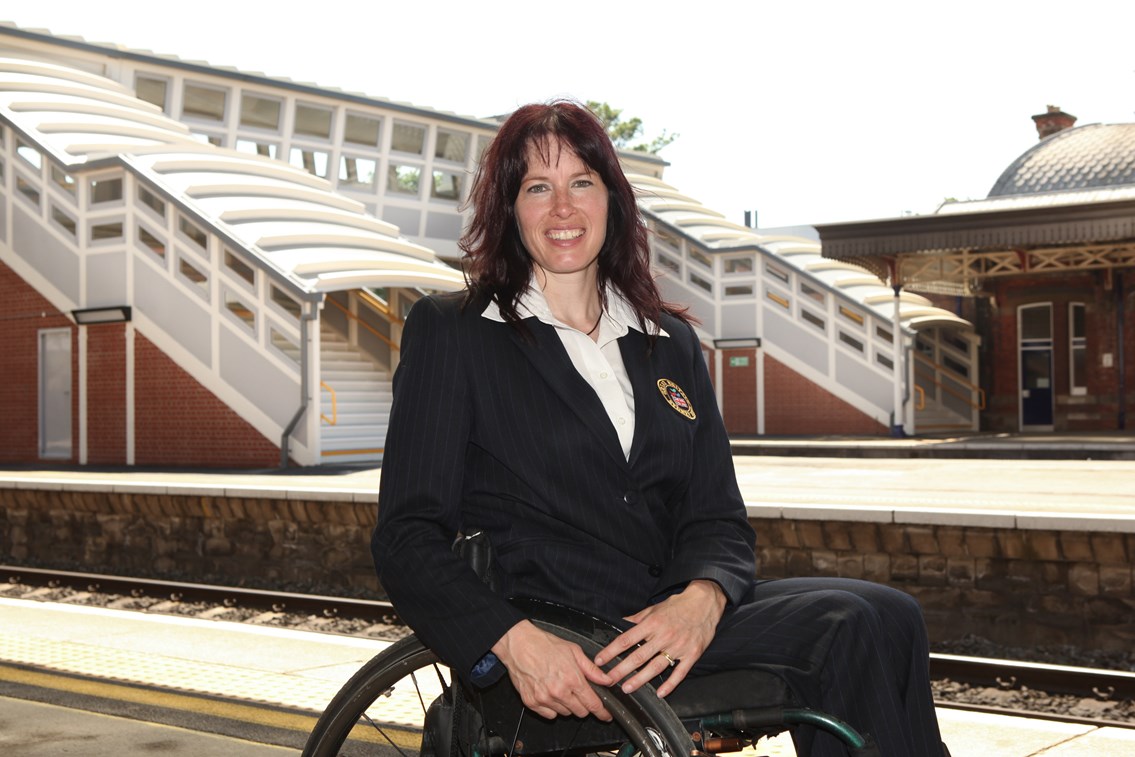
[{"x": 186, "y": 661}]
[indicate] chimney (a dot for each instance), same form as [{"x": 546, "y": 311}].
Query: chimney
[{"x": 1053, "y": 121}]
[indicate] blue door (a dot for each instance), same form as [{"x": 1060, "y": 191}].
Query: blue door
[{"x": 1034, "y": 328}]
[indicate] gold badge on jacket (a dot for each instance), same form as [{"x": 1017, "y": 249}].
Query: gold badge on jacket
[{"x": 676, "y": 398}]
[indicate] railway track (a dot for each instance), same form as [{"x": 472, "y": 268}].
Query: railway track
[{"x": 1067, "y": 693}]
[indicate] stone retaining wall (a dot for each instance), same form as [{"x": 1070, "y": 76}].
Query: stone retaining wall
[{"x": 1011, "y": 585}]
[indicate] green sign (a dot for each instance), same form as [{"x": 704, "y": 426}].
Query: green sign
[{"x": 738, "y": 362}]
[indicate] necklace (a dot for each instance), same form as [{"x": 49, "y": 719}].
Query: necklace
[{"x": 597, "y": 321}]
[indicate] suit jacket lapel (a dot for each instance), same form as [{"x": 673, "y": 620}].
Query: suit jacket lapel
[
  {"x": 550, "y": 358},
  {"x": 640, "y": 371}
]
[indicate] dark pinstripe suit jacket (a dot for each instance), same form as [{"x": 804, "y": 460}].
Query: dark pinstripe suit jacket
[{"x": 490, "y": 431}]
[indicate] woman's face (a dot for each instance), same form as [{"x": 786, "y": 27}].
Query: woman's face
[{"x": 561, "y": 210}]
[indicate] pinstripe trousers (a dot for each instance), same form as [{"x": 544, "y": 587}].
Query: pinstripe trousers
[{"x": 853, "y": 649}]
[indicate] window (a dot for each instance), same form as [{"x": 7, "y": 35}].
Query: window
[
  {"x": 776, "y": 272},
  {"x": 745, "y": 290},
  {"x": 313, "y": 121},
  {"x": 151, "y": 242},
  {"x": 259, "y": 112},
  {"x": 664, "y": 237},
  {"x": 739, "y": 265},
  {"x": 151, "y": 201},
  {"x": 698, "y": 281},
  {"x": 851, "y": 315},
  {"x": 63, "y": 180},
  {"x": 153, "y": 91},
  {"x": 27, "y": 189},
  {"x": 208, "y": 139},
  {"x": 451, "y": 145},
  {"x": 248, "y": 146},
  {"x": 190, "y": 273},
  {"x": 193, "y": 232},
  {"x": 29, "y": 154},
  {"x": 812, "y": 293},
  {"x": 101, "y": 232},
  {"x": 204, "y": 102},
  {"x": 362, "y": 130},
  {"x": 283, "y": 344},
  {"x": 241, "y": 311},
  {"x": 483, "y": 143},
  {"x": 357, "y": 172},
  {"x": 404, "y": 179},
  {"x": 446, "y": 185},
  {"x": 106, "y": 190},
  {"x": 1078, "y": 349},
  {"x": 701, "y": 257},
  {"x": 778, "y": 299},
  {"x": 312, "y": 161},
  {"x": 884, "y": 334},
  {"x": 286, "y": 302},
  {"x": 409, "y": 138},
  {"x": 809, "y": 317},
  {"x": 885, "y": 361},
  {"x": 668, "y": 263},
  {"x": 65, "y": 221},
  {"x": 242, "y": 270},
  {"x": 850, "y": 341}
]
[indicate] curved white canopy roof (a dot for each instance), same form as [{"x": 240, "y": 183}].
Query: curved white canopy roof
[
  {"x": 715, "y": 233},
  {"x": 284, "y": 216}
]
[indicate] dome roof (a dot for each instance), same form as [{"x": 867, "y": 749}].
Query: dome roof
[{"x": 1096, "y": 155}]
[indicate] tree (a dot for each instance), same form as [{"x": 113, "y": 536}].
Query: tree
[{"x": 624, "y": 132}]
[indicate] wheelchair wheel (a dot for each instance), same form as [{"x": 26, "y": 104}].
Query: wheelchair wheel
[{"x": 393, "y": 706}]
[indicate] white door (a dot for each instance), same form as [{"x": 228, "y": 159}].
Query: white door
[{"x": 55, "y": 393}]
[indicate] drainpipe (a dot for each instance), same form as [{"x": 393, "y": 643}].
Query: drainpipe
[
  {"x": 310, "y": 314},
  {"x": 899, "y": 359},
  {"x": 1121, "y": 416}
]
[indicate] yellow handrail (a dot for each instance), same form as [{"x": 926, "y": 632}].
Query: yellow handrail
[
  {"x": 334, "y": 406},
  {"x": 364, "y": 324},
  {"x": 979, "y": 405},
  {"x": 920, "y": 404}
]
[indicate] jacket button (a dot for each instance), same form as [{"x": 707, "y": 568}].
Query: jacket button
[
  {"x": 631, "y": 498},
  {"x": 655, "y": 571}
]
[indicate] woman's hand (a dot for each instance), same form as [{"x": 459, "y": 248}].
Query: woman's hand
[
  {"x": 681, "y": 626},
  {"x": 552, "y": 676}
]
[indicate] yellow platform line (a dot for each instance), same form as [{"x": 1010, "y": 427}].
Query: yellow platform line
[
  {"x": 243, "y": 713},
  {"x": 169, "y": 700}
]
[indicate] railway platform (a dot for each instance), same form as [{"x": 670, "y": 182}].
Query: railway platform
[
  {"x": 97, "y": 681},
  {"x": 77, "y": 679}
]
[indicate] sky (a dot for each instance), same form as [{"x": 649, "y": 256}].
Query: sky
[{"x": 804, "y": 111}]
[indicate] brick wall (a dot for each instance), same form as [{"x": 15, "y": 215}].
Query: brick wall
[
  {"x": 23, "y": 313},
  {"x": 1014, "y": 586},
  {"x": 1098, "y": 410},
  {"x": 1009, "y": 585},
  {"x": 106, "y": 394},
  {"x": 178, "y": 422},
  {"x": 795, "y": 405}
]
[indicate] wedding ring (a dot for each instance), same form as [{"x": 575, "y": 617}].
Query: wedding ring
[{"x": 669, "y": 659}]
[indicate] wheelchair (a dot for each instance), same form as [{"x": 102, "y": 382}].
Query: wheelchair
[{"x": 405, "y": 702}]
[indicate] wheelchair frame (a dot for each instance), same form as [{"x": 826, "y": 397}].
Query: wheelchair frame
[{"x": 457, "y": 720}]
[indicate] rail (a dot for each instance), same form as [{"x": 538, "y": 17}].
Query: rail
[
  {"x": 937, "y": 367},
  {"x": 334, "y": 419},
  {"x": 385, "y": 311}
]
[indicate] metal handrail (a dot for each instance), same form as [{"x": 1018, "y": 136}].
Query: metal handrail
[
  {"x": 364, "y": 324},
  {"x": 334, "y": 419},
  {"x": 938, "y": 367}
]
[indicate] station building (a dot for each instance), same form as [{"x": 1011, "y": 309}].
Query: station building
[
  {"x": 209, "y": 267},
  {"x": 1045, "y": 269}
]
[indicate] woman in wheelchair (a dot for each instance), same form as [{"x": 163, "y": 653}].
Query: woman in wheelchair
[{"x": 564, "y": 410}]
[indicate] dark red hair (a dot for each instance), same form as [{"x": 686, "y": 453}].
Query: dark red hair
[{"x": 498, "y": 265}]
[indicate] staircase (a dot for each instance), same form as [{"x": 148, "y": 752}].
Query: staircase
[{"x": 355, "y": 397}]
